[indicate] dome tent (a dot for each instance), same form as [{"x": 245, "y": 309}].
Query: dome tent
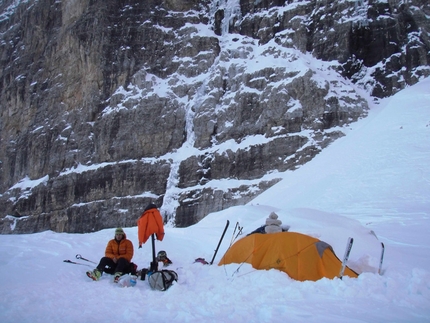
[{"x": 301, "y": 256}]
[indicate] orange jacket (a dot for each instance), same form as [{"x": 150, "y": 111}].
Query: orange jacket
[
  {"x": 119, "y": 249},
  {"x": 150, "y": 222}
]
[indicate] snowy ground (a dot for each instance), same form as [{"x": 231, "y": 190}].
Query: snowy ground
[{"x": 377, "y": 178}]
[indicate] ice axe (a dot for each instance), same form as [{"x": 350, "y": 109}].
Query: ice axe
[{"x": 78, "y": 256}]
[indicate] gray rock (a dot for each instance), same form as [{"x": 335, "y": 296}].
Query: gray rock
[{"x": 106, "y": 106}]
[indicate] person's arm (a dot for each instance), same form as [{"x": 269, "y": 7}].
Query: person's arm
[
  {"x": 109, "y": 252},
  {"x": 129, "y": 250}
]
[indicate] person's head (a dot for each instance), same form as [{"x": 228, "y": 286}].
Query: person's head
[
  {"x": 119, "y": 234},
  {"x": 162, "y": 256},
  {"x": 150, "y": 206}
]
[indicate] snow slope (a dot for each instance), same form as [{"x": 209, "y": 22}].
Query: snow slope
[{"x": 375, "y": 180}]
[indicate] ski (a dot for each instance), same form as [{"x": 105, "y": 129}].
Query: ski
[
  {"x": 346, "y": 256},
  {"x": 220, "y": 240},
  {"x": 381, "y": 259},
  {"x": 76, "y": 263}
]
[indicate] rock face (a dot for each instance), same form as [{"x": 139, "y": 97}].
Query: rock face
[{"x": 194, "y": 105}]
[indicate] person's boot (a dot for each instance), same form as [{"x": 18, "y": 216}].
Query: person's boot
[
  {"x": 94, "y": 274},
  {"x": 117, "y": 277}
]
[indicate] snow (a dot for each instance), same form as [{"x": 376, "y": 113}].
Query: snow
[
  {"x": 26, "y": 183},
  {"x": 372, "y": 185}
]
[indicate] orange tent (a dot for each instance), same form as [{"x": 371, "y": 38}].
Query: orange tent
[{"x": 300, "y": 256}]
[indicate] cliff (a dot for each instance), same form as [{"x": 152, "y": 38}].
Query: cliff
[{"x": 194, "y": 105}]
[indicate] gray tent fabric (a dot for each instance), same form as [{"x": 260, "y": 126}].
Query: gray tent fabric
[{"x": 322, "y": 246}]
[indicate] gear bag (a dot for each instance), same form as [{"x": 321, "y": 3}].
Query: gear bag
[{"x": 162, "y": 280}]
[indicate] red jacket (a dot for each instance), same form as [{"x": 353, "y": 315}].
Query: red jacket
[
  {"x": 150, "y": 222},
  {"x": 119, "y": 249}
]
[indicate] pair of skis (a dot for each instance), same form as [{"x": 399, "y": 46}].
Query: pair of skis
[{"x": 348, "y": 251}]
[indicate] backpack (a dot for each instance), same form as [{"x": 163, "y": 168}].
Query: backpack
[{"x": 162, "y": 280}]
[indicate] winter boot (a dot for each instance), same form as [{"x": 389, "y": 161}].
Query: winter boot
[
  {"x": 133, "y": 269},
  {"x": 117, "y": 277},
  {"x": 95, "y": 274}
]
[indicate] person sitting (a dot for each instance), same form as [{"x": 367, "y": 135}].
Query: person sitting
[{"x": 117, "y": 260}]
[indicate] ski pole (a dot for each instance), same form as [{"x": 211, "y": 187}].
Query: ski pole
[
  {"x": 78, "y": 256},
  {"x": 238, "y": 233},
  {"x": 234, "y": 231},
  {"x": 76, "y": 263}
]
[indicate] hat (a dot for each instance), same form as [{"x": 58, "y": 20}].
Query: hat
[
  {"x": 161, "y": 254},
  {"x": 119, "y": 231},
  {"x": 150, "y": 206}
]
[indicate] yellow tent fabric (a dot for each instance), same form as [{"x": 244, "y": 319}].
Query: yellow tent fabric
[{"x": 300, "y": 256}]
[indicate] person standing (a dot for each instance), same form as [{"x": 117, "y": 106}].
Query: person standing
[{"x": 117, "y": 260}]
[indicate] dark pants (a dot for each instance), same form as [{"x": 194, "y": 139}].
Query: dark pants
[{"x": 108, "y": 266}]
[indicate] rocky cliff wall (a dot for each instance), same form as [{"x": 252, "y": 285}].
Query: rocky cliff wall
[{"x": 195, "y": 105}]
